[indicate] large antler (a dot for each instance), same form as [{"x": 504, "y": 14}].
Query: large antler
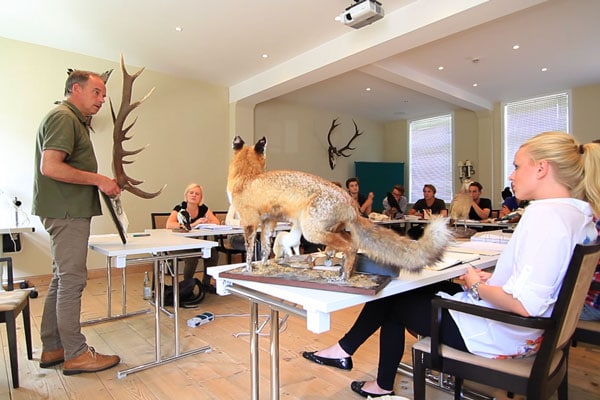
[
  {"x": 120, "y": 135},
  {"x": 333, "y": 151},
  {"x": 340, "y": 152}
]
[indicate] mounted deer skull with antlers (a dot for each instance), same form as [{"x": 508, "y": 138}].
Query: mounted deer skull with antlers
[
  {"x": 335, "y": 152},
  {"x": 120, "y": 135}
]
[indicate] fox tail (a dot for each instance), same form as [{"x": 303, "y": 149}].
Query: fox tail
[{"x": 387, "y": 247}]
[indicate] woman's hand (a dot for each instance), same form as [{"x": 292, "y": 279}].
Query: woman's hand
[
  {"x": 473, "y": 276},
  {"x": 199, "y": 221}
]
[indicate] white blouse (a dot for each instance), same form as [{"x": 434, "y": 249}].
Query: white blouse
[{"x": 531, "y": 269}]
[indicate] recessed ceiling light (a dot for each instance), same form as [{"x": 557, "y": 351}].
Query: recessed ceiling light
[
  {"x": 475, "y": 84},
  {"x": 441, "y": 67},
  {"x": 178, "y": 28},
  {"x": 516, "y": 47},
  {"x": 265, "y": 55},
  {"x": 368, "y": 89},
  {"x": 544, "y": 69}
]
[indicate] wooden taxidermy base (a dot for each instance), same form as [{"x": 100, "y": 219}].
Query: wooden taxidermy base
[{"x": 308, "y": 271}]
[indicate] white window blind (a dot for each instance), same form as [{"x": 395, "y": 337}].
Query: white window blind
[
  {"x": 430, "y": 156},
  {"x": 525, "y": 119}
]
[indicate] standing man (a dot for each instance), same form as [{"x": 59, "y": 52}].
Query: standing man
[
  {"x": 481, "y": 207},
  {"x": 363, "y": 203},
  {"x": 65, "y": 197}
]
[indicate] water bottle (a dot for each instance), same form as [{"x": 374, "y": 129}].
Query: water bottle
[{"x": 147, "y": 287}]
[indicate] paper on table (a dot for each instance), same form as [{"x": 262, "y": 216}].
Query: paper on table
[
  {"x": 481, "y": 248},
  {"x": 214, "y": 227},
  {"x": 496, "y": 236},
  {"x": 450, "y": 259}
]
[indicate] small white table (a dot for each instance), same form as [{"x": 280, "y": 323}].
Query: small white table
[
  {"x": 314, "y": 305},
  {"x": 151, "y": 247}
]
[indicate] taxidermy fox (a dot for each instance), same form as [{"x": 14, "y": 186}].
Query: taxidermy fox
[{"x": 322, "y": 211}]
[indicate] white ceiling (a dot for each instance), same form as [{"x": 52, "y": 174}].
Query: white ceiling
[{"x": 319, "y": 62}]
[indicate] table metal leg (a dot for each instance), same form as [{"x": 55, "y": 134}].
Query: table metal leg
[
  {"x": 254, "y": 348},
  {"x": 157, "y": 337},
  {"x": 274, "y": 354},
  {"x": 109, "y": 316},
  {"x": 157, "y": 296},
  {"x": 176, "y": 305}
]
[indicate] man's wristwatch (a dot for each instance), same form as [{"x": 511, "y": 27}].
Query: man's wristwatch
[{"x": 474, "y": 291}]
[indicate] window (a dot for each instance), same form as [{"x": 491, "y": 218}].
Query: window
[
  {"x": 526, "y": 118},
  {"x": 430, "y": 156}
]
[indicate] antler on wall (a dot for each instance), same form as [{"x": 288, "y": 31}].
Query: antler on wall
[
  {"x": 120, "y": 135},
  {"x": 335, "y": 152}
]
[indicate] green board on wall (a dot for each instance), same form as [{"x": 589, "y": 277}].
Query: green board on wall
[{"x": 379, "y": 178}]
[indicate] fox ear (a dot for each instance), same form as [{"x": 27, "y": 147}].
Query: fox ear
[
  {"x": 261, "y": 145},
  {"x": 238, "y": 143}
]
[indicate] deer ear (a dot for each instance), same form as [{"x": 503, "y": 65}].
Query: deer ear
[
  {"x": 261, "y": 145},
  {"x": 238, "y": 143}
]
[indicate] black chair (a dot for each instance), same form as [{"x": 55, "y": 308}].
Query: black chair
[
  {"x": 159, "y": 219},
  {"x": 12, "y": 303},
  {"x": 588, "y": 331},
  {"x": 539, "y": 376},
  {"x": 224, "y": 243}
]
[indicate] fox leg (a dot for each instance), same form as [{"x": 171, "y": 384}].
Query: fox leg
[
  {"x": 268, "y": 226},
  {"x": 340, "y": 241},
  {"x": 249, "y": 236}
]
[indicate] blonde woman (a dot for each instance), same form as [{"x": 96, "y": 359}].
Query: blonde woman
[
  {"x": 560, "y": 177},
  {"x": 199, "y": 213}
]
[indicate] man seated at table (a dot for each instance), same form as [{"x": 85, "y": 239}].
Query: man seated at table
[{"x": 481, "y": 207}]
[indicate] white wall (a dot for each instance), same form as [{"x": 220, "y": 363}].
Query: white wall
[
  {"x": 185, "y": 123},
  {"x": 297, "y": 139}
]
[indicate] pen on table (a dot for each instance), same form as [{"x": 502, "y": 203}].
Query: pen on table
[{"x": 140, "y": 234}]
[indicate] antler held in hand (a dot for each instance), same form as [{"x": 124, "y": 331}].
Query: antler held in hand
[{"x": 120, "y": 135}]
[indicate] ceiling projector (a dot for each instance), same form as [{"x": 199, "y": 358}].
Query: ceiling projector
[{"x": 362, "y": 13}]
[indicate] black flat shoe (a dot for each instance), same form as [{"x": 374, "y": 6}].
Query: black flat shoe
[
  {"x": 341, "y": 363},
  {"x": 357, "y": 386}
]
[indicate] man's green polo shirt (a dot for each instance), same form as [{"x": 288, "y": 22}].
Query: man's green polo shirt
[{"x": 65, "y": 129}]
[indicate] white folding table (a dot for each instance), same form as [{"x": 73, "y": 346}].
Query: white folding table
[
  {"x": 314, "y": 305},
  {"x": 150, "y": 247}
]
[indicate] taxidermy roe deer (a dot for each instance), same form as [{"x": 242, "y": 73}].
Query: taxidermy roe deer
[{"x": 322, "y": 211}]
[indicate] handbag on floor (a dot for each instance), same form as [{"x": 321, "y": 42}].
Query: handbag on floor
[{"x": 191, "y": 293}]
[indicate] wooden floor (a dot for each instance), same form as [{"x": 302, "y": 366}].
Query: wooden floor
[{"x": 224, "y": 373}]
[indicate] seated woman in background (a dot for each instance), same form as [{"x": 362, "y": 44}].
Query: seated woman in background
[
  {"x": 560, "y": 174},
  {"x": 429, "y": 202},
  {"x": 395, "y": 203},
  {"x": 199, "y": 213}
]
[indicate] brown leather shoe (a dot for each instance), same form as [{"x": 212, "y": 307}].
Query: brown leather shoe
[
  {"x": 89, "y": 361},
  {"x": 52, "y": 358}
]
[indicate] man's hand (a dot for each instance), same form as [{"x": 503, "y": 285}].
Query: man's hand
[{"x": 108, "y": 186}]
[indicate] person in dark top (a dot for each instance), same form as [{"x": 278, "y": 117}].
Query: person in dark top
[
  {"x": 429, "y": 202},
  {"x": 199, "y": 213},
  {"x": 481, "y": 207},
  {"x": 395, "y": 203}
]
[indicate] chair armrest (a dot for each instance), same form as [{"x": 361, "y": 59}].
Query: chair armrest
[
  {"x": 492, "y": 313},
  {"x": 438, "y": 304}
]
